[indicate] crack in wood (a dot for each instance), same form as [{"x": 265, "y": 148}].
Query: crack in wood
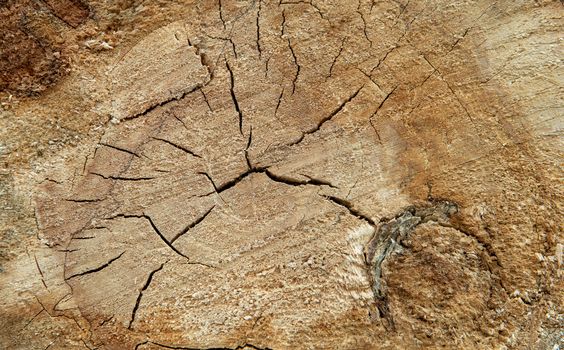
[
  {"x": 191, "y": 225},
  {"x": 221, "y": 14},
  {"x": 378, "y": 109},
  {"x": 280, "y": 97},
  {"x": 462, "y": 105},
  {"x": 206, "y": 100},
  {"x": 121, "y": 149},
  {"x": 270, "y": 174},
  {"x": 389, "y": 232},
  {"x": 298, "y": 67},
  {"x": 123, "y": 178},
  {"x": 336, "y": 58},
  {"x": 159, "y": 233},
  {"x": 249, "y": 142},
  {"x": 234, "y": 96},
  {"x": 167, "y": 101},
  {"x": 177, "y": 146},
  {"x": 318, "y": 182},
  {"x": 259, "y": 49},
  {"x": 143, "y": 289},
  {"x": 326, "y": 119},
  {"x": 162, "y": 237},
  {"x": 40, "y": 272},
  {"x": 350, "y": 208},
  {"x": 179, "y": 347},
  {"x": 96, "y": 269},
  {"x": 83, "y": 200}
]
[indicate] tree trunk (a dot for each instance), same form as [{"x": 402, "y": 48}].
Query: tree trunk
[{"x": 280, "y": 174}]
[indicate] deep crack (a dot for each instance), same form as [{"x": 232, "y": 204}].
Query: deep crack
[
  {"x": 158, "y": 232},
  {"x": 123, "y": 178},
  {"x": 298, "y": 67},
  {"x": 350, "y": 208},
  {"x": 165, "y": 102},
  {"x": 143, "y": 289},
  {"x": 191, "y": 225},
  {"x": 96, "y": 269},
  {"x": 271, "y": 175},
  {"x": 234, "y": 97},
  {"x": 238, "y": 347},
  {"x": 259, "y": 49}
]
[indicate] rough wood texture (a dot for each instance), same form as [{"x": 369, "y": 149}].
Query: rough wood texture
[{"x": 281, "y": 175}]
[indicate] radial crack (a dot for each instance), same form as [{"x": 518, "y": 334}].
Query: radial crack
[
  {"x": 234, "y": 97},
  {"x": 226, "y": 40},
  {"x": 206, "y": 100},
  {"x": 175, "y": 98},
  {"x": 279, "y": 102},
  {"x": 249, "y": 141},
  {"x": 40, "y": 272},
  {"x": 462, "y": 105},
  {"x": 380, "y": 61},
  {"x": 327, "y": 118},
  {"x": 294, "y": 182},
  {"x": 123, "y": 178},
  {"x": 402, "y": 9},
  {"x": 83, "y": 200},
  {"x": 158, "y": 232},
  {"x": 221, "y": 14},
  {"x": 192, "y": 225},
  {"x": 177, "y": 347},
  {"x": 99, "y": 268},
  {"x": 259, "y": 49},
  {"x": 365, "y": 31},
  {"x": 209, "y": 179},
  {"x": 350, "y": 208},
  {"x": 272, "y": 176},
  {"x": 318, "y": 182},
  {"x": 125, "y": 216},
  {"x": 153, "y": 225},
  {"x": 173, "y": 114},
  {"x": 182, "y": 148},
  {"x": 283, "y": 24},
  {"x": 117, "y": 148},
  {"x": 233, "y": 47},
  {"x": 336, "y": 58},
  {"x": 143, "y": 289},
  {"x": 231, "y": 183},
  {"x": 298, "y": 67},
  {"x": 458, "y": 40},
  {"x": 381, "y": 105}
]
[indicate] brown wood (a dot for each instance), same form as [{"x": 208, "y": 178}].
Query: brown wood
[{"x": 281, "y": 175}]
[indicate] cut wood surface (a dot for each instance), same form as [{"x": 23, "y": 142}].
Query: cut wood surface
[{"x": 281, "y": 175}]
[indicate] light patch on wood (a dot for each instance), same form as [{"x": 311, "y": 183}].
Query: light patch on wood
[
  {"x": 160, "y": 68},
  {"x": 352, "y": 274}
]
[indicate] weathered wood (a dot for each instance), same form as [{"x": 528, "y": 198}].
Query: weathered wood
[{"x": 282, "y": 175}]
